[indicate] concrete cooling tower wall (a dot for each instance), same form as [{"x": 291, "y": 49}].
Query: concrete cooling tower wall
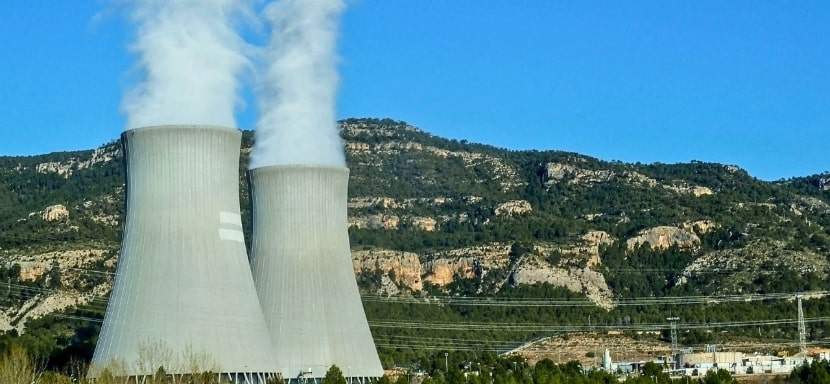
[
  {"x": 303, "y": 272},
  {"x": 183, "y": 294}
]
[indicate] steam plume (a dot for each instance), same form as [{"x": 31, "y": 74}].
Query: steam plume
[
  {"x": 297, "y": 89},
  {"x": 190, "y": 58}
]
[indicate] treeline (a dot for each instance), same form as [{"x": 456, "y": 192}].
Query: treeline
[
  {"x": 514, "y": 370},
  {"x": 18, "y": 366}
]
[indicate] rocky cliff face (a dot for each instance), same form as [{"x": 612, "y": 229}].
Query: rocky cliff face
[
  {"x": 585, "y": 281},
  {"x": 575, "y": 175},
  {"x": 67, "y": 279},
  {"x": 426, "y": 224},
  {"x": 513, "y": 208},
  {"x": 387, "y": 222},
  {"x": 736, "y": 269},
  {"x": 55, "y": 213},
  {"x": 576, "y": 273},
  {"x": 69, "y": 166},
  {"x": 663, "y": 237},
  {"x": 403, "y": 268}
]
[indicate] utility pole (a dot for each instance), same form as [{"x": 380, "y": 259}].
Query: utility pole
[
  {"x": 447, "y": 362},
  {"x": 802, "y": 329}
]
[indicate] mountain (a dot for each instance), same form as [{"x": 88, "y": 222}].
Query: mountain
[{"x": 430, "y": 216}]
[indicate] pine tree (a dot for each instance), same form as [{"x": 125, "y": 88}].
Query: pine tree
[{"x": 334, "y": 376}]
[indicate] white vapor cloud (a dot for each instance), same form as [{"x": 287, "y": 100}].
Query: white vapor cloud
[
  {"x": 297, "y": 86},
  {"x": 190, "y": 58}
]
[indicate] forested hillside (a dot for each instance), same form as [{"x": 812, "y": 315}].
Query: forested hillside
[{"x": 437, "y": 218}]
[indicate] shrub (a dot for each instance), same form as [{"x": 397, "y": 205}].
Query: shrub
[{"x": 17, "y": 367}]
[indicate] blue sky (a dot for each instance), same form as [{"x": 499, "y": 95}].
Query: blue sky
[{"x": 739, "y": 82}]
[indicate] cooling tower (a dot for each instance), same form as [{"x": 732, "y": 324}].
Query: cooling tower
[
  {"x": 183, "y": 293},
  {"x": 303, "y": 272}
]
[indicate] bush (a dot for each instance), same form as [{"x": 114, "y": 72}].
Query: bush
[{"x": 17, "y": 367}]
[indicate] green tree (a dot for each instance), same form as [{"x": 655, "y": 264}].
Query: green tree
[
  {"x": 54, "y": 280},
  {"x": 722, "y": 376},
  {"x": 334, "y": 376},
  {"x": 816, "y": 373},
  {"x": 654, "y": 372}
]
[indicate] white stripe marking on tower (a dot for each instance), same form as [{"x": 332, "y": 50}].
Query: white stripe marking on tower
[
  {"x": 231, "y": 235},
  {"x": 230, "y": 218}
]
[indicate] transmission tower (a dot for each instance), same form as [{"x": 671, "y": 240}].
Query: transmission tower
[
  {"x": 802, "y": 328},
  {"x": 674, "y": 346},
  {"x": 675, "y": 349}
]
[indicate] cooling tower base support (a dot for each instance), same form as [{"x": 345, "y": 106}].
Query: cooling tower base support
[
  {"x": 319, "y": 380},
  {"x": 223, "y": 378}
]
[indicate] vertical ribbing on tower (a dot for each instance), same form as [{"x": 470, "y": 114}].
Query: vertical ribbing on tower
[
  {"x": 183, "y": 290},
  {"x": 303, "y": 272}
]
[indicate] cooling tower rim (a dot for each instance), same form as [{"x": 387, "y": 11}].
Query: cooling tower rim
[
  {"x": 183, "y": 127},
  {"x": 287, "y": 167}
]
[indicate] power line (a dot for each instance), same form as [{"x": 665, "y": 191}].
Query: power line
[
  {"x": 539, "y": 327},
  {"x": 554, "y": 302},
  {"x": 101, "y": 302},
  {"x": 548, "y": 302},
  {"x": 456, "y": 344},
  {"x": 38, "y": 290},
  {"x": 578, "y": 327},
  {"x": 573, "y": 302}
]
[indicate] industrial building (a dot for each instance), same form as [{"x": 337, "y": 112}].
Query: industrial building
[
  {"x": 183, "y": 297},
  {"x": 695, "y": 364},
  {"x": 303, "y": 272}
]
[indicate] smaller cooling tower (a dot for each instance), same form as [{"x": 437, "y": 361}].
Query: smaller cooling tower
[
  {"x": 183, "y": 296},
  {"x": 303, "y": 272}
]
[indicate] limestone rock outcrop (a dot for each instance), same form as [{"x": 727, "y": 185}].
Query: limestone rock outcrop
[
  {"x": 513, "y": 208},
  {"x": 68, "y": 167},
  {"x": 694, "y": 190},
  {"x": 558, "y": 172},
  {"x": 663, "y": 237},
  {"x": 701, "y": 227},
  {"x": 387, "y": 222},
  {"x": 574, "y": 175},
  {"x": 442, "y": 272},
  {"x": 426, "y": 224},
  {"x": 728, "y": 270},
  {"x": 585, "y": 281},
  {"x": 56, "y": 212},
  {"x": 404, "y": 266}
]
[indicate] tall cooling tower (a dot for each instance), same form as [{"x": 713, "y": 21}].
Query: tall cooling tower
[
  {"x": 183, "y": 294},
  {"x": 303, "y": 272}
]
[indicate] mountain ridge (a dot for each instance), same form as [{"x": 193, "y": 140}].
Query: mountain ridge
[{"x": 430, "y": 216}]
